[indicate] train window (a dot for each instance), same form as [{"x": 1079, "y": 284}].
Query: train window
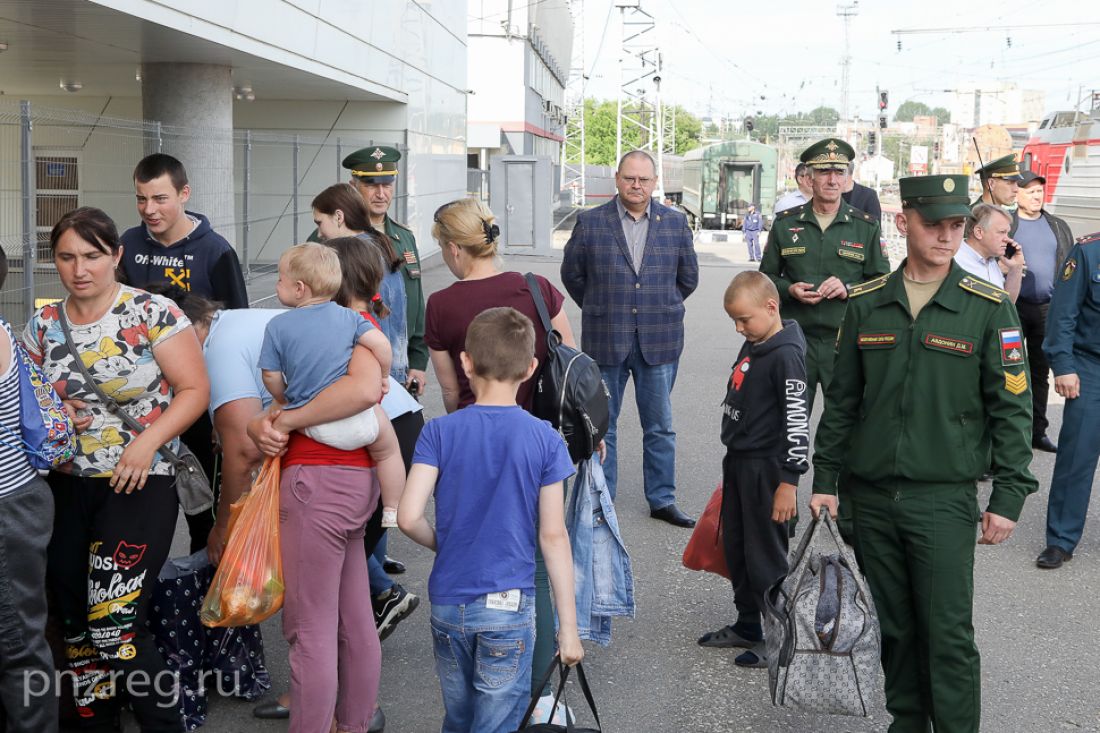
[
  {"x": 1066, "y": 165},
  {"x": 1027, "y": 161}
]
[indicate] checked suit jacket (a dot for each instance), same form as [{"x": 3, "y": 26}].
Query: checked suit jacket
[{"x": 617, "y": 302}]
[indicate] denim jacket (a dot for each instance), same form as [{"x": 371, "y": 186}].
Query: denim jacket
[{"x": 603, "y": 579}]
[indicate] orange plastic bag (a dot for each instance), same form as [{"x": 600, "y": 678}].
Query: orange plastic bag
[
  {"x": 704, "y": 550},
  {"x": 248, "y": 584}
]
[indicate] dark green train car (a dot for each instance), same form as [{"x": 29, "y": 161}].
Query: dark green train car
[{"x": 721, "y": 180}]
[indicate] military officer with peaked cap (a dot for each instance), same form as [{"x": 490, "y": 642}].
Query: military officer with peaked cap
[
  {"x": 930, "y": 373},
  {"x": 999, "y": 179},
  {"x": 373, "y": 173},
  {"x": 819, "y": 250}
]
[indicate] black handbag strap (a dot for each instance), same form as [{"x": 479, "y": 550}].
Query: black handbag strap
[
  {"x": 111, "y": 404},
  {"x": 563, "y": 675},
  {"x": 540, "y": 304}
]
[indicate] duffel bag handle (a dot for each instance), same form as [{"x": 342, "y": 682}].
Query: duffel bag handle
[{"x": 563, "y": 675}]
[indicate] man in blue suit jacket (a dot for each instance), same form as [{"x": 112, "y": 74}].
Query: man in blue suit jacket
[{"x": 630, "y": 264}]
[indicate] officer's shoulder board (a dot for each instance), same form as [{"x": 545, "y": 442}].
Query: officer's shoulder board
[
  {"x": 983, "y": 289},
  {"x": 868, "y": 287},
  {"x": 399, "y": 225},
  {"x": 1089, "y": 239},
  {"x": 793, "y": 211}
]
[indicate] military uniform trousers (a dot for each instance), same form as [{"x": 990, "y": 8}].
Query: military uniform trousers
[
  {"x": 820, "y": 355},
  {"x": 915, "y": 543},
  {"x": 1078, "y": 450}
]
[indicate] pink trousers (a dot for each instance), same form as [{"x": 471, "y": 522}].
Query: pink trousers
[{"x": 335, "y": 657}]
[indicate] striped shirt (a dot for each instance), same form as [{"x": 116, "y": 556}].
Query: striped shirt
[{"x": 15, "y": 470}]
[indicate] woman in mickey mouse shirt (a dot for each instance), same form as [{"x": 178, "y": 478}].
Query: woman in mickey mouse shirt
[{"x": 116, "y": 504}]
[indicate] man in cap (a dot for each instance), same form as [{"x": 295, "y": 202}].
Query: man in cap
[
  {"x": 819, "y": 250},
  {"x": 999, "y": 179},
  {"x": 373, "y": 173},
  {"x": 927, "y": 379},
  {"x": 1073, "y": 347},
  {"x": 1045, "y": 241},
  {"x": 752, "y": 227}
]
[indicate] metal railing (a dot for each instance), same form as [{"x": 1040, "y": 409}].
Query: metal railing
[{"x": 255, "y": 186}]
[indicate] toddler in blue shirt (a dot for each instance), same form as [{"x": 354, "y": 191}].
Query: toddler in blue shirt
[{"x": 308, "y": 347}]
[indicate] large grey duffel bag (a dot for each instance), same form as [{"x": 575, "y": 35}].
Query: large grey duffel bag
[{"x": 821, "y": 629}]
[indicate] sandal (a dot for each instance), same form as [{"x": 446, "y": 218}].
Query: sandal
[
  {"x": 725, "y": 638},
  {"x": 753, "y": 658}
]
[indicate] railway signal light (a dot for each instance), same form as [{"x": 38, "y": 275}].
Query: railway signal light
[
  {"x": 871, "y": 137},
  {"x": 882, "y": 122},
  {"x": 748, "y": 124},
  {"x": 936, "y": 149},
  {"x": 883, "y": 100}
]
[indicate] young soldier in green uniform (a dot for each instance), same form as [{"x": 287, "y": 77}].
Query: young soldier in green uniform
[
  {"x": 1000, "y": 179},
  {"x": 373, "y": 173},
  {"x": 929, "y": 375},
  {"x": 817, "y": 251}
]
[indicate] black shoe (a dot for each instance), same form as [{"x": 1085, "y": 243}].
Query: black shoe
[
  {"x": 391, "y": 607},
  {"x": 271, "y": 710},
  {"x": 1043, "y": 443},
  {"x": 673, "y": 516},
  {"x": 393, "y": 567},
  {"x": 1053, "y": 558},
  {"x": 378, "y": 722}
]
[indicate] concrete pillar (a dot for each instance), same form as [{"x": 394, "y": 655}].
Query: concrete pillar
[{"x": 194, "y": 104}]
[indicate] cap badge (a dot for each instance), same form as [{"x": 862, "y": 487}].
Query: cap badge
[
  {"x": 832, "y": 145},
  {"x": 378, "y": 154},
  {"x": 948, "y": 185},
  {"x": 378, "y": 166}
]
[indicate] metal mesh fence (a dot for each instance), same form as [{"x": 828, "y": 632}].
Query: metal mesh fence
[{"x": 255, "y": 187}]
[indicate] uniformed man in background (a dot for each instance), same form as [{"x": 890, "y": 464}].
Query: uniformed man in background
[
  {"x": 1072, "y": 345},
  {"x": 999, "y": 179},
  {"x": 373, "y": 174},
  {"x": 817, "y": 251},
  {"x": 930, "y": 373}
]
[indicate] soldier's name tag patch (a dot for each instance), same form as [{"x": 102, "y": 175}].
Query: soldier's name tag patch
[
  {"x": 1067, "y": 271},
  {"x": 877, "y": 340},
  {"x": 950, "y": 344},
  {"x": 850, "y": 254},
  {"x": 1016, "y": 383},
  {"x": 1012, "y": 347},
  {"x": 789, "y": 251}
]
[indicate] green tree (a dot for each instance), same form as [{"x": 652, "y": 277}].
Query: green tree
[
  {"x": 600, "y": 131},
  {"x": 910, "y": 109}
]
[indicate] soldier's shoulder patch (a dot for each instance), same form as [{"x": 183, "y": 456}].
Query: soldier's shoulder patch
[
  {"x": 868, "y": 287},
  {"x": 1089, "y": 238},
  {"x": 1016, "y": 383},
  {"x": 1069, "y": 269},
  {"x": 793, "y": 211},
  {"x": 983, "y": 289}
]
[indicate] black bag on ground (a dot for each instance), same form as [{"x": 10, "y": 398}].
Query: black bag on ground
[
  {"x": 570, "y": 726},
  {"x": 569, "y": 389}
]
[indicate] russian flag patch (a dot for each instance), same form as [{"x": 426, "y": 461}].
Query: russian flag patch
[{"x": 1012, "y": 347}]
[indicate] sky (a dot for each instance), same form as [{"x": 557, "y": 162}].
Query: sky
[{"x": 729, "y": 57}]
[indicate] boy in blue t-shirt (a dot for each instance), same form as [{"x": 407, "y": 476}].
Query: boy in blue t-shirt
[{"x": 496, "y": 472}]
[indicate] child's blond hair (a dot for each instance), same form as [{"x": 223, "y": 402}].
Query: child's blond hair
[
  {"x": 753, "y": 284},
  {"x": 316, "y": 265}
]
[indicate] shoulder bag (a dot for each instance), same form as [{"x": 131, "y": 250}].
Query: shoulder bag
[
  {"x": 570, "y": 725},
  {"x": 192, "y": 485}
]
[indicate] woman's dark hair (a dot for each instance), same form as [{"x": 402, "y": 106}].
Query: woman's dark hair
[
  {"x": 361, "y": 273},
  {"x": 344, "y": 197},
  {"x": 198, "y": 309},
  {"x": 92, "y": 225}
]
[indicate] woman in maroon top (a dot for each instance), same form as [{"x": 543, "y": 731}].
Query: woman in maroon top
[{"x": 468, "y": 238}]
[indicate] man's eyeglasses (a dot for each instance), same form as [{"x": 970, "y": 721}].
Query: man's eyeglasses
[{"x": 632, "y": 180}]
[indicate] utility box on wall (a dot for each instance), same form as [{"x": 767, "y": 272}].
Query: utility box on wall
[{"x": 520, "y": 194}]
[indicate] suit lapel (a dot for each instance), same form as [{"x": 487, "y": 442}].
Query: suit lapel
[
  {"x": 651, "y": 233},
  {"x": 617, "y": 230}
]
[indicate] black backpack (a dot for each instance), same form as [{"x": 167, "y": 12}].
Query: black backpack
[{"x": 569, "y": 389}]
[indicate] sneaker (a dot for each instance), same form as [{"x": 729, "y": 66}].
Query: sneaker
[
  {"x": 391, "y": 607},
  {"x": 546, "y": 712}
]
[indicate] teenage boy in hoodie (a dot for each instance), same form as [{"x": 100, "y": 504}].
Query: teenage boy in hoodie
[
  {"x": 766, "y": 431},
  {"x": 175, "y": 246}
]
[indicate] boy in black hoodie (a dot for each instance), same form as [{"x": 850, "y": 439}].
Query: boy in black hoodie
[{"x": 766, "y": 431}]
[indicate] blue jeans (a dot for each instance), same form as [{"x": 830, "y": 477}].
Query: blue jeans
[
  {"x": 653, "y": 393},
  {"x": 483, "y": 659},
  {"x": 380, "y": 582}
]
